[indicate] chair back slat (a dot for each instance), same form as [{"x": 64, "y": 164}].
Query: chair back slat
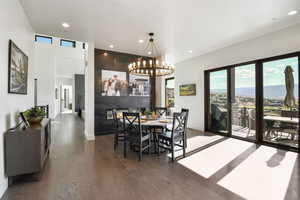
[
  {"x": 187, "y": 115},
  {"x": 161, "y": 111},
  {"x": 45, "y": 109},
  {"x": 132, "y": 123},
  {"x": 179, "y": 123}
]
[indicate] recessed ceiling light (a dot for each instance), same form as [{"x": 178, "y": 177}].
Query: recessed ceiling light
[
  {"x": 149, "y": 52},
  {"x": 65, "y": 25},
  {"x": 111, "y": 46},
  {"x": 190, "y": 51},
  {"x": 141, "y": 41},
  {"x": 293, "y": 12}
]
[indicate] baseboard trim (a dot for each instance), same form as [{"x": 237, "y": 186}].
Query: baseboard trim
[
  {"x": 88, "y": 136},
  {"x": 194, "y": 129},
  {"x": 3, "y": 187}
]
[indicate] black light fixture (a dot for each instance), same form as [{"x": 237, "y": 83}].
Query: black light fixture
[{"x": 153, "y": 66}]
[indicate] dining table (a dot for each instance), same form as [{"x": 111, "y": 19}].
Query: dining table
[
  {"x": 163, "y": 121},
  {"x": 271, "y": 120},
  {"x": 152, "y": 124},
  {"x": 282, "y": 119}
]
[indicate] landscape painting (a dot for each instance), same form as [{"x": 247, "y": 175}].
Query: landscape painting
[
  {"x": 187, "y": 90},
  {"x": 114, "y": 83},
  {"x": 17, "y": 70}
]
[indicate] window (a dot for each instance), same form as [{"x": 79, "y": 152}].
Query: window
[
  {"x": 43, "y": 39},
  {"x": 256, "y": 101},
  {"x": 67, "y": 43},
  {"x": 169, "y": 92}
]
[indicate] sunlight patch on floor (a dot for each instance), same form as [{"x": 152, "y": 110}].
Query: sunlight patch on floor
[
  {"x": 212, "y": 159},
  {"x": 265, "y": 174},
  {"x": 196, "y": 143}
]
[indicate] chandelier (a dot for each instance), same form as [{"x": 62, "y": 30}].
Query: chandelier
[{"x": 150, "y": 66}]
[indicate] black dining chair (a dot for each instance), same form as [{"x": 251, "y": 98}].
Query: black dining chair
[
  {"x": 176, "y": 137},
  {"x": 118, "y": 128},
  {"x": 187, "y": 117},
  {"x": 138, "y": 138},
  {"x": 45, "y": 109},
  {"x": 160, "y": 111},
  {"x": 169, "y": 128}
]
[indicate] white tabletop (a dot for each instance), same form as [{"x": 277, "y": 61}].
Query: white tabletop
[
  {"x": 282, "y": 119},
  {"x": 157, "y": 122}
]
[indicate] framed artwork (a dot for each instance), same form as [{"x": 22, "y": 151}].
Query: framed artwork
[
  {"x": 17, "y": 70},
  {"x": 187, "y": 90},
  {"x": 139, "y": 85},
  {"x": 114, "y": 83},
  {"x": 109, "y": 114}
]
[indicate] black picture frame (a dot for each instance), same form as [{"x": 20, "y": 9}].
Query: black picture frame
[{"x": 17, "y": 70}]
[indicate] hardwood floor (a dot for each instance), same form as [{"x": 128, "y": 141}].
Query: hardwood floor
[{"x": 78, "y": 169}]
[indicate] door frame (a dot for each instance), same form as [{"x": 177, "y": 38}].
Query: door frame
[{"x": 259, "y": 99}]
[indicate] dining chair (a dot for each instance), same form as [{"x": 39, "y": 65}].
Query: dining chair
[
  {"x": 187, "y": 117},
  {"x": 177, "y": 136},
  {"x": 138, "y": 138},
  {"x": 185, "y": 110},
  {"x": 160, "y": 111},
  {"x": 118, "y": 126},
  {"x": 45, "y": 109}
]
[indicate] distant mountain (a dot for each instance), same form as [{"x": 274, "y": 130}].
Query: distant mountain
[{"x": 272, "y": 92}]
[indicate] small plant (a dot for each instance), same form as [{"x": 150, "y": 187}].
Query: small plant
[
  {"x": 148, "y": 112},
  {"x": 34, "y": 113}
]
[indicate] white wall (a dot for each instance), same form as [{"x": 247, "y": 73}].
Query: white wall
[
  {"x": 54, "y": 63},
  {"x": 14, "y": 25},
  {"x": 192, "y": 70},
  {"x": 89, "y": 112}
]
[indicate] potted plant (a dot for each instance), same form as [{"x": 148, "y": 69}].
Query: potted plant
[
  {"x": 148, "y": 113},
  {"x": 34, "y": 115}
]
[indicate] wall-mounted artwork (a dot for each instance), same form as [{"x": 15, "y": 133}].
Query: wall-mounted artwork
[
  {"x": 139, "y": 85},
  {"x": 114, "y": 83},
  {"x": 109, "y": 114},
  {"x": 17, "y": 70},
  {"x": 187, "y": 90}
]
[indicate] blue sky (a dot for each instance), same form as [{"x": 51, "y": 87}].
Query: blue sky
[{"x": 273, "y": 73}]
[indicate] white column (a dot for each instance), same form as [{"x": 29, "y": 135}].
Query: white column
[{"x": 89, "y": 121}]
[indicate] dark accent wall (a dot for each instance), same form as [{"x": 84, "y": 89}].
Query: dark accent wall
[
  {"x": 79, "y": 92},
  {"x": 115, "y": 61}
]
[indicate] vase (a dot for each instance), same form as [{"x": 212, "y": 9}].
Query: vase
[{"x": 35, "y": 120}]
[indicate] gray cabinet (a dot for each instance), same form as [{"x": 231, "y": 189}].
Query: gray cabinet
[{"x": 26, "y": 149}]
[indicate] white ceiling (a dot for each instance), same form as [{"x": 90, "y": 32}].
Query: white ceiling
[{"x": 179, "y": 25}]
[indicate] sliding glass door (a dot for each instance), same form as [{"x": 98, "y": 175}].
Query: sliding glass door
[
  {"x": 281, "y": 101},
  {"x": 257, "y": 101},
  {"x": 243, "y": 101},
  {"x": 218, "y": 106}
]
